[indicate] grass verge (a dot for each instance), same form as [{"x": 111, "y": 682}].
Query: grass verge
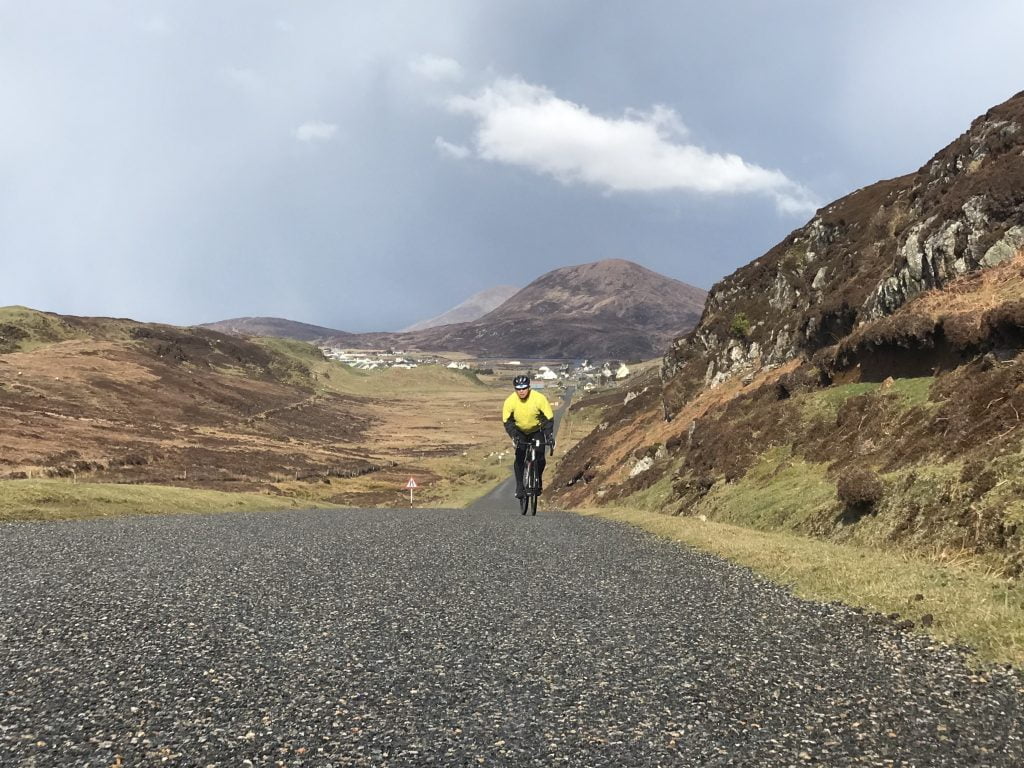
[
  {"x": 967, "y": 605},
  {"x": 825, "y": 403},
  {"x": 779, "y": 492},
  {"x": 61, "y": 500}
]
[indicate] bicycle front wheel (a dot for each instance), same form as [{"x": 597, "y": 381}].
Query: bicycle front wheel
[{"x": 533, "y": 503}]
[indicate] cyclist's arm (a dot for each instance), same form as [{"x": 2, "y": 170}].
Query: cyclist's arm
[
  {"x": 511, "y": 429},
  {"x": 508, "y": 420},
  {"x": 547, "y": 421}
]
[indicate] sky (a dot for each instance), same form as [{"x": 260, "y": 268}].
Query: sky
[{"x": 366, "y": 165}]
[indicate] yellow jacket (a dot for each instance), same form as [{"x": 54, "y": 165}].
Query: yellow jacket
[{"x": 527, "y": 413}]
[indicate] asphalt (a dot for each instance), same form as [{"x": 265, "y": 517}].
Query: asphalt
[{"x": 454, "y": 638}]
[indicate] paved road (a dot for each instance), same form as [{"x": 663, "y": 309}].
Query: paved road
[
  {"x": 453, "y": 638},
  {"x": 502, "y": 496}
]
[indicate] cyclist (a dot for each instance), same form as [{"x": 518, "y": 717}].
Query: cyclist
[{"x": 525, "y": 413}]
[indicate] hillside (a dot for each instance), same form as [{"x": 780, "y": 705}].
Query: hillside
[
  {"x": 118, "y": 401},
  {"x": 860, "y": 380},
  {"x": 473, "y": 308},
  {"x": 121, "y": 401},
  {"x": 273, "y": 326},
  {"x": 606, "y": 309}
]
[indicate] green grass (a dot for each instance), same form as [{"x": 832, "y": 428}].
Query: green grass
[
  {"x": 463, "y": 480},
  {"x": 967, "y": 604},
  {"x": 779, "y": 492},
  {"x": 914, "y": 391},
  {"x": 64, "y": 500},
  {"x": 300, "y": 351},
  {"x": 40, "y": 329},
  {"x": 825, "y": 403},
  {"x": 333, "y": 376},
  {"x": 656, "y": 496},
  {"x": 421, "y": 379}
]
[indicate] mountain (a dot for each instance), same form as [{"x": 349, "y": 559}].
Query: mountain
[
  {"x": 274, "y": 327},
  {"x": 862, "y": 380},
  {"x": 605, "y": 309},
  {"x": 476, "y": 306}
]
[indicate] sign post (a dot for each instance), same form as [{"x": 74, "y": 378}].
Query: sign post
[{"x": 410, "y": 485}]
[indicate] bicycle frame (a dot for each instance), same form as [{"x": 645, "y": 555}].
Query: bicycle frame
[{"x": 531, "y": 481}]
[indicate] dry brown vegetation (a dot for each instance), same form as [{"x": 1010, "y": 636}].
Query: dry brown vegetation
[
  {"x": 906, "y": 411},
  {"x": 121, "y": 402},
  {"x": 938, "y": 330}
]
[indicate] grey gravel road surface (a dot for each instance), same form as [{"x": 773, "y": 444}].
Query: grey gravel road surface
[{"x": 453, "y": 638}]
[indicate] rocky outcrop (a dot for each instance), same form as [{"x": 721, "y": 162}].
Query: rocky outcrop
[{"x": 861, "y": 258}]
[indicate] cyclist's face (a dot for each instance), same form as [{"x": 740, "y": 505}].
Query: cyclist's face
[{"x": 523, "y": 393}]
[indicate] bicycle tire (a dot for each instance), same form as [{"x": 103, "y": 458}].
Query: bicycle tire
[
  {"x": 533, "y": 503},
  {"x": 529, "y": 485}
]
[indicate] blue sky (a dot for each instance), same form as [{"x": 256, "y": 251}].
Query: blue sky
[{"x": 364, "y": 165}]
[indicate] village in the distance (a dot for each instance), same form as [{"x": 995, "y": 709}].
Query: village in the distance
[{"x": 584, "y": 373}]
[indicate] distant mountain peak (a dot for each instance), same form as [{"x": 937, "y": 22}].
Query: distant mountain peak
[
  {"x": 612, "y": 308},
  {"x": 473, "y": 308}
]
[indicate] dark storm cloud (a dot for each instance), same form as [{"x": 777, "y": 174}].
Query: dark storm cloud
[{"x": 364, "y": 165}]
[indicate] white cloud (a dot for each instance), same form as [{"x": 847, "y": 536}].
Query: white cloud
[
  {"x": 527, "y": 125},
  {"x": 436, "y": 68},
  {"x": 452, "y": 150},
  {"x": 315, "y": 130}
]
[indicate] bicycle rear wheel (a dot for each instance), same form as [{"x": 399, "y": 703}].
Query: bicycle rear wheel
[{"x": 524, "y": 503}]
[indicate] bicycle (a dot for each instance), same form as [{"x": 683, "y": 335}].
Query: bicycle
[{"x": 531, "y": 480}]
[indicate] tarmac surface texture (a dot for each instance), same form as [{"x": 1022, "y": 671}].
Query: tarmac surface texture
[{"x": 454, "y": 638}]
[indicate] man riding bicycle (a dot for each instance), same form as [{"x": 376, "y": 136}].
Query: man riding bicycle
[{"x": 525, "y": 413}]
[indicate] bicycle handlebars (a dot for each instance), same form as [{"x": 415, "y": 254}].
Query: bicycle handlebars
[{"x": 538, "y": 442}]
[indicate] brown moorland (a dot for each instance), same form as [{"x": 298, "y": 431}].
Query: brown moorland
[
  {"x": 937, "y": 449},
  {"x": 114, "y": 401}
]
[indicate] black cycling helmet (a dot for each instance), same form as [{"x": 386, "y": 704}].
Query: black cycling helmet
[{"x": 521, "y": 382}]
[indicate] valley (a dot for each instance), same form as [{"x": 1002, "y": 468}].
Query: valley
[{"x": 118, "y": 402}]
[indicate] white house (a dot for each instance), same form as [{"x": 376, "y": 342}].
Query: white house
[{"x": 546, "y": 374}]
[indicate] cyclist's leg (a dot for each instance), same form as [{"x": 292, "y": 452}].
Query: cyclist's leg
[{"x": 518, "y": 469}]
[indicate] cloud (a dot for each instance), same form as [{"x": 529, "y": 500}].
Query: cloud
[
  {"x": 452, "y": 150},
  {"x": 436, "y": 68},
  {"x": 529, "y": 126},
  {"x": 315, "y": 130}
]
